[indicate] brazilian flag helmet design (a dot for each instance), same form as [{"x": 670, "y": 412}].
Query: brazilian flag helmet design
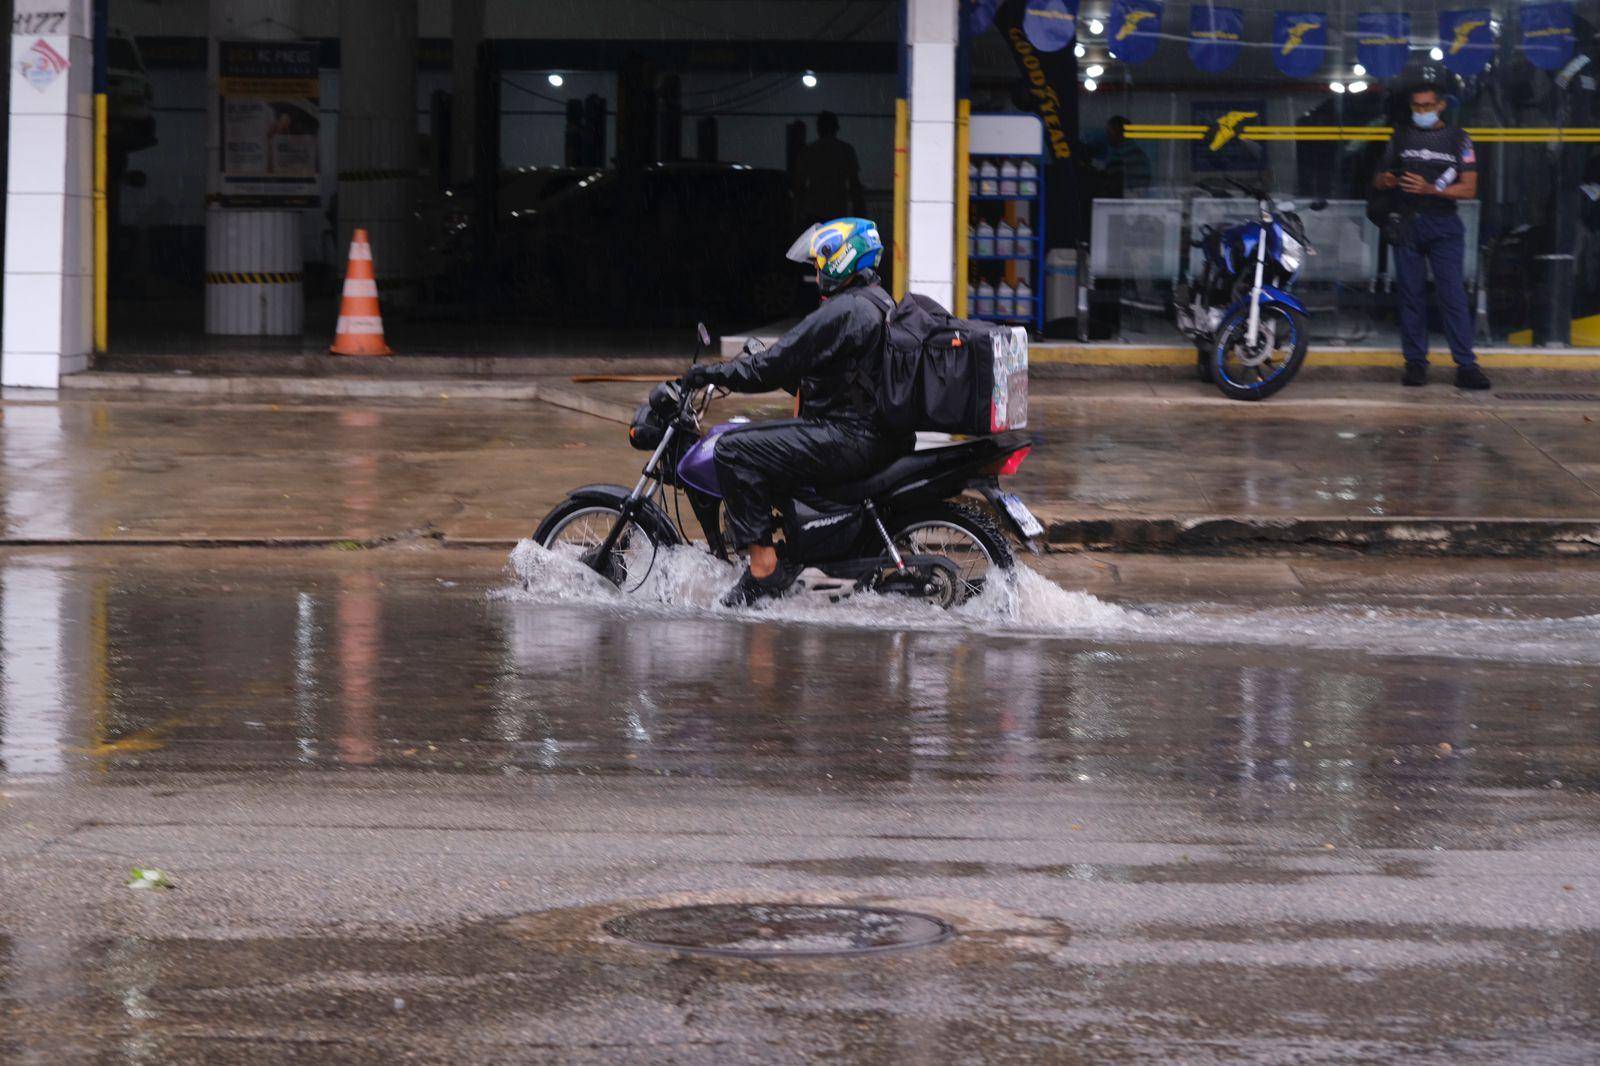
[{"x": 839, "y": 250}]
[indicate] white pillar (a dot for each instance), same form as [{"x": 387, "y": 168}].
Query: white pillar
[
  {"x": 49, "y": 283},
  {"x": 247, "y": 244},
  {"x": 931, "y": 27},
  {"x": 378, "y": 135}
]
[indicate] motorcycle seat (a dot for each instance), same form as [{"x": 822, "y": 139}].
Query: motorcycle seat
[{"x": 923, "y": 463}]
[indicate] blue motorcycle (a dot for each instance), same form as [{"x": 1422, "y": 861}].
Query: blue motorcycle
[
  {"x": 1249, "y": 331},
  {"x": 909, "y": 530}
]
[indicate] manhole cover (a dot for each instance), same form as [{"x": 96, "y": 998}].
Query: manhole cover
[
  {"x": 779, "y": 930},
  {"x": 1576, "y": 397}
]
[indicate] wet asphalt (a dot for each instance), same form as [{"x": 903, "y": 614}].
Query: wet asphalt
[{"x": 1231, "y": 811}]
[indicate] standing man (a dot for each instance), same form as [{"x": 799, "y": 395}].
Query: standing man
[
  {"x": 827, "y": 176},
  {"x": 1433, "y": 165},
  {"x": 1122, "y": 164}
]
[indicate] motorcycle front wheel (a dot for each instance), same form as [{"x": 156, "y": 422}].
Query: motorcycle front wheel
[
  {"x": 1243, "y": 372},
  {"x": 578, "y": 528}
]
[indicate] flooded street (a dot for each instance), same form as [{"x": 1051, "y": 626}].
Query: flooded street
[{"x": 1226, "y": 810}]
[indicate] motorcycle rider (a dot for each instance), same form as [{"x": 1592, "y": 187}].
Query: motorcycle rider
[{"x": 829, "y": 361}]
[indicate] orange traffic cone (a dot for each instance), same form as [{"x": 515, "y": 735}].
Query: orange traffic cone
[{"x": 360, "y": 329}]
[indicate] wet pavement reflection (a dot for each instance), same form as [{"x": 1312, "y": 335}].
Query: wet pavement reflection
[{"x": 399, "y": 799}]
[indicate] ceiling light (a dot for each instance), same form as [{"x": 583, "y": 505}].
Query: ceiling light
[
  {"x": 809, "y": 80},
  {"x": 556, "y": 81},
  {"x": 1096, "y": 26},
  {"x": 1436, "y": 54},
  {"x": 1095, "y": 70},
  {"x": 1358, "y": 70},
  {"x": 1336, "y": 86},
  {"x": 1079, "y": 50},
  {"x": 1090, "y": 85},
  {"x": 1358, "y": 86}
]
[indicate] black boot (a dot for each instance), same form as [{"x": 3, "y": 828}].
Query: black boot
[
  {"x": 1470, "y": 377},
  {"x": 1416, "y": 373},
  {"x": 750, "y": 589}
]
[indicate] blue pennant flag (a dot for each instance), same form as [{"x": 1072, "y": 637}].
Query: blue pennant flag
[
  {"x": 980, "y": 15},
  {"x": 1383, "y": 42},
  {"x": 1050, "y": 24},
  {"x": 1467, "y": 40},
  {"x": 1299, "y": 42},
  {"x": 1135, "y": 30},
  {"x": 1215, "y": 35},
  {"x": 1548, "y": 36}
]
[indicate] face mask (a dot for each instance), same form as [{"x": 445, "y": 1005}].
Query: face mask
[{"x": 1425, "y": 119}]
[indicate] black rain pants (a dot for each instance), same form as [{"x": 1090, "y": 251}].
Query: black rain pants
[{"x": 762, "y": 465}]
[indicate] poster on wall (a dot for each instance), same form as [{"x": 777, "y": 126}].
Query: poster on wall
[
  {"x": 1299, "y": 42},
  {"x": 1383, "y": 42},
  {"x": 1223, "y": 147},
  {"x": 1215, "y": 36},
  {"x": 1135, "y": 30},
  {"x": 269, "y": 111},
  {"x": 1467, "y": 39},
  {"x": 1548, "y": 34}
]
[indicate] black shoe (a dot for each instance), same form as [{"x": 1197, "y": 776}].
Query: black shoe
[
  {"x": 750, "y": 589},
  {"x": 1471, "y": 377},
  {"x": 1416, "y": 374}
]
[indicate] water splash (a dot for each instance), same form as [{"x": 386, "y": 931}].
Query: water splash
[{"x": 686, "y": 580}]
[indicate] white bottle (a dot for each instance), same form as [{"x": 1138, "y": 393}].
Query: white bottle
[
  {"x": 1008, "y": 178},
  {"x": 1005, "y": 242},
  {"x": 1027, "y": 179},
  {"x": 1005, "y": 301},
  {"x": 985, "y": 239},
  {"x": 984, "y": 304},
  {"x": 972, "y": 176},
  {"x": 1024, "y": 300},
  {"x": 1024, "y": 239},
  {"x": 988, "y": 179}
]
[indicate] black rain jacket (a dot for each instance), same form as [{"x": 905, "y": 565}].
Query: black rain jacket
[{"x": 827, "y": 358}]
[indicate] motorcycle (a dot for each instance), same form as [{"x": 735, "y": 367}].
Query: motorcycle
[
  {"x": 1249, "y": 332},
  {"x": 907, "y": 530}
]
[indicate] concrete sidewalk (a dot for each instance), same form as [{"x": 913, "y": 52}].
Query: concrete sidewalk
[{"x": 1133, "y": 466}]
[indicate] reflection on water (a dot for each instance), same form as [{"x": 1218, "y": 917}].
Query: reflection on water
[{"x": 362, "y": 669}]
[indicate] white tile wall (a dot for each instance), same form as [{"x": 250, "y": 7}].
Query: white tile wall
[
  {"x": 934, "y": 20},
  {"x": 37, "y": 154},
  {"x": 932, "y": 248},
  {"x": 933, "y": 82},
  {"x": 35, "y": 233},
  {"x": 33, "y": 317}
]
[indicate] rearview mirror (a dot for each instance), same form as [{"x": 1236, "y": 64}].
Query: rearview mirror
[{"x": 704, "y": 334}]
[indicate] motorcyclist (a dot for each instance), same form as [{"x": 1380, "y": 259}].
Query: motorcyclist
[{"x": 829, "y": 360}]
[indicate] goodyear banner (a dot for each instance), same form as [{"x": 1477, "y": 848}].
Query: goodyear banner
[
  {"x": 980, "y": 16},
  {"x": 1215, "y": 34},
  {"x": 1135, "y": 30},
  {"x": 1299, "y": 42},
  {"x": 1467, "y": 40},
  {"x": 1548, "y": 36},
  {"x": 1050, "y": 24},
  {"x": 1383, "y": 42}
]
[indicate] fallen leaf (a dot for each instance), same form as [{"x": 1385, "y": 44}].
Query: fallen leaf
[{"x": 1445, "y": 747}]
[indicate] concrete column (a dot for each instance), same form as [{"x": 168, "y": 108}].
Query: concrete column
[
  {"x": 466, "y": 34},
  {"x": 49, "y": 282},
  {"x": 931, "y": 26},
  {"x": 378, "y": 136},
  {"x": 245, "y": 243}
]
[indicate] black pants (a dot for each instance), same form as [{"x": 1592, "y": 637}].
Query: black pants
[{"x": 762, "y": 465}]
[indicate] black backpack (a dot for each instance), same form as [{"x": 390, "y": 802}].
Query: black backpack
[{"x": 947, "y": 374}]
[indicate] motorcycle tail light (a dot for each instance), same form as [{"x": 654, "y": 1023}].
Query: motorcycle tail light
[{"x": 1011, "y": 463}]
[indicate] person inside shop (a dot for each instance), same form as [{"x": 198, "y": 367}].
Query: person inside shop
[
  {"x": 827, "y": 176},
  {"x": 1121, "y": 165},
  {"x": 1431, "y": 166}
]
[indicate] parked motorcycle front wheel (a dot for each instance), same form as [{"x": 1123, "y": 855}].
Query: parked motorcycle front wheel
[{"x": 1245, "y": 372}]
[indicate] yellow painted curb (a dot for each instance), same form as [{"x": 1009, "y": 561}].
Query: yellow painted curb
[{"x": 1091, "y": 355}]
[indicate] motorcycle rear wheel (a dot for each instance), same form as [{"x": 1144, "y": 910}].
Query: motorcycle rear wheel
[{"x": 962, "y": 532}]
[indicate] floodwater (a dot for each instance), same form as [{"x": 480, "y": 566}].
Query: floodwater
[{"x": 401, "y": 796}]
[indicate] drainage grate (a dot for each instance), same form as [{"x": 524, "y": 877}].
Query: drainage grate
[
  {"x": 779, "y": 930},
  {"x": 1577, "y": 397}
]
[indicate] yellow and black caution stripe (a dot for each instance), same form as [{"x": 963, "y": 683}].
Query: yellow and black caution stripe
[
  {"x": 376, "y": 175},
  {"x": 254, "y": 279},
  {"x": 1246, "y": 131}
]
